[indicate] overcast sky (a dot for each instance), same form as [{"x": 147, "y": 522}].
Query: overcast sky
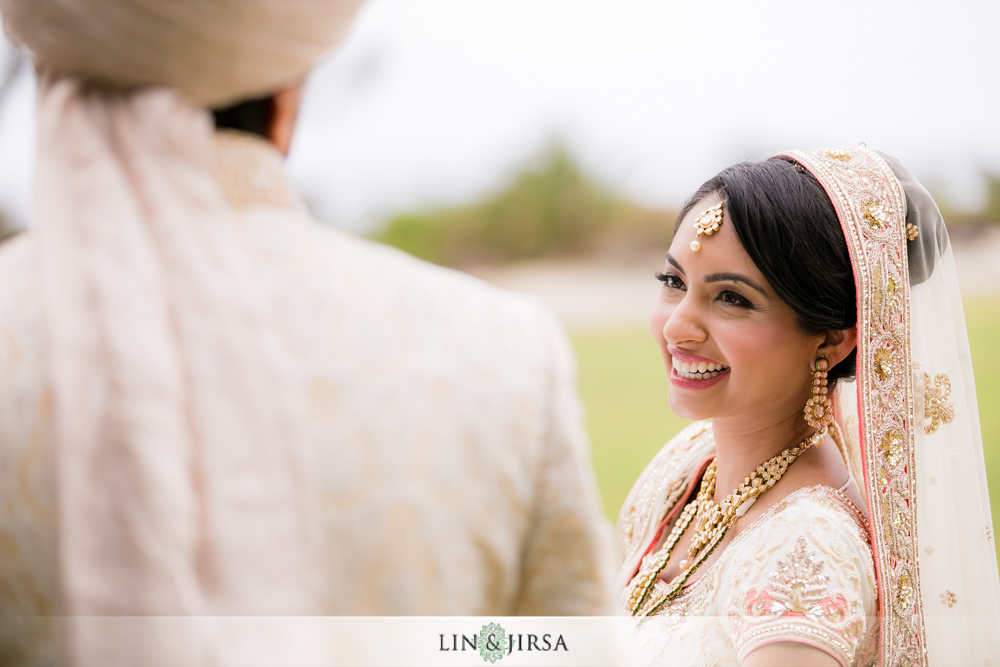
[{"x": 431, "y": 102}]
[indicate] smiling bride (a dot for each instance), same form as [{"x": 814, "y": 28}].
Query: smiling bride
[{"x": 806, "y": 309}]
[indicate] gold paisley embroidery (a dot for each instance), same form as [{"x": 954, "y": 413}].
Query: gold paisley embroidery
[{"x": 938, "y": 409}]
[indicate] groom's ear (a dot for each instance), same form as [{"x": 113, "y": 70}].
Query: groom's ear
[
  {"x": 837, "y": 344},
  {"x": 284, "y": 115}
]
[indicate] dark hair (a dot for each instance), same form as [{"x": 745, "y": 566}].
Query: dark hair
[
  {"x": 252, "y": 116},
  {"x": 787, "y": 224}
]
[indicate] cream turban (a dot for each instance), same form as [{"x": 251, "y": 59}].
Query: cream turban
[
  {"x": 181, "y": 478},
  {"x": 214, "y": 51}
]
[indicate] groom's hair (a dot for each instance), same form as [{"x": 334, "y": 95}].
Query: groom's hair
[
  {"x": 252, "y": 116},
  {"x": 785, "y": 221}
]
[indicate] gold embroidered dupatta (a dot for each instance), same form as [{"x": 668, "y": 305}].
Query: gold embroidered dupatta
[{"x": 912, "y": 418}]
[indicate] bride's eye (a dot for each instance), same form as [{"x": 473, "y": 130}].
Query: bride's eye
[
  {"x": 734, "y": 299},
  {"x": 670, "y": 280}
]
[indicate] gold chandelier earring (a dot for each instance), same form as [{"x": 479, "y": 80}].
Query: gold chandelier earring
[{"x": 819, "y": 407}]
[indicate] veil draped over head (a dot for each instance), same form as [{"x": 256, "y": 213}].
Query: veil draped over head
[
  {"x": 912, "y": 420},
  {"x": 181, "y": 481}
]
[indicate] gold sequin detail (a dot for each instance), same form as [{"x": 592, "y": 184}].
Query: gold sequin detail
[
  {"x": 799, "y": 583},
  {"x": 911, "y": 232},
  {"x": 876, "y": 214},
  {"x": 948, "y": 598},
  {"x": 892, "y": 447},
  {"x": 883, "y": 363},
  {"x": 938, "y": 409}
]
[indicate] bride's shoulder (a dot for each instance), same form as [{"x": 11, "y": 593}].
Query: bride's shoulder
[
  {"x": 824, "y": 504},
  {"x": 802, "y": 572},
  {"x": 657, "y": 486},
  {"x": 828, "y": 520}
]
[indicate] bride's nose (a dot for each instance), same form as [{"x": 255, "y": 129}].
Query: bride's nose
[{"x": 683, "y": 323}]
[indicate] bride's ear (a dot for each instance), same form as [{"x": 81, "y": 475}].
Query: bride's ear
[{"x": 837, "y": 344}]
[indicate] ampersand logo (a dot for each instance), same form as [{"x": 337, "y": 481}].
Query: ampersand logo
[{"x": 492, "y": 642}]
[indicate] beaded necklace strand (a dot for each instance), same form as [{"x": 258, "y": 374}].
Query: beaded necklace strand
[{"x": 712, "y": 522}]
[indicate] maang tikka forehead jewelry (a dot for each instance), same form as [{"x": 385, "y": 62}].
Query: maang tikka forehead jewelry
[{"x": 707, "y": 224}]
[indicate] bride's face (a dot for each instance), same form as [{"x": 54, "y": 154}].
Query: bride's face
[{"x": 731, "y": 347}]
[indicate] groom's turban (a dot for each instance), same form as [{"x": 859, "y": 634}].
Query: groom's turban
[{"x": 215, "y": 51}]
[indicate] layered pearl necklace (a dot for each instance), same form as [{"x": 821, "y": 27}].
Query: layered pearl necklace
[{"x": 712, "y": 522}]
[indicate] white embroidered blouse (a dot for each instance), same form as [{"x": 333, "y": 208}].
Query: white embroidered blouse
[{"x": 801, "y": 572}]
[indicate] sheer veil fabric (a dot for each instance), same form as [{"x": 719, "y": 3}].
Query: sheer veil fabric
[
  {"x": 912, "y": 419},
  {"x": 181, "y": 478}
]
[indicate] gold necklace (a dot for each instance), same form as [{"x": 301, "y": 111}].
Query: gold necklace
[{"x": 712, "y": 524}]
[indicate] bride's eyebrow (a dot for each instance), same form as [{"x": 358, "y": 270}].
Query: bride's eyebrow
[
  {"x": 734, "y": 278},
  {"x": 671, "y": 260}
]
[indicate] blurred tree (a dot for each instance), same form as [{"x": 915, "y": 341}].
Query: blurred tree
[
  {"x": 7, "y": 229},
  {"x": 965, "y": 221},
  {"x": 552, "y": 209},
  {"x": 991, "y": 212}
]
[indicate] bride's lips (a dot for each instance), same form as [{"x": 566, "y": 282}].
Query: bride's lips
[{"x": 689, "y": 371}]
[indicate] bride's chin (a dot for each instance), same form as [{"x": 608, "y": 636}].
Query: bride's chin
[{"x": 689, "y": 407}]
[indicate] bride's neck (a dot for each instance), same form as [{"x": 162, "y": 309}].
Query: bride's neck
[{"x": 741, "y": 447}]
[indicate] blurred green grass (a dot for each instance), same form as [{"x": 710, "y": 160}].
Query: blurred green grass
[{"x": 624, "y": 389}]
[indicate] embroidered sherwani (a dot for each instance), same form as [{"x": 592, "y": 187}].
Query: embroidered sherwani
[
  {"x": 445, "y": 431},
  {"x": 801, "y": 572}
]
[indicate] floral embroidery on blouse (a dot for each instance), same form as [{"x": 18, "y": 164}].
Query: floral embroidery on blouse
[{"x": 797, "y": 604}]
